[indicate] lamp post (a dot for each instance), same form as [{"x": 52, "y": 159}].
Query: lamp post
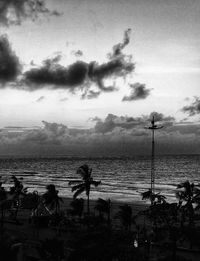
[{"x": 153, "y": 127}]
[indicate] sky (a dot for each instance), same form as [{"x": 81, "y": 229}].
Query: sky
[{"x": 79, "y": 74}]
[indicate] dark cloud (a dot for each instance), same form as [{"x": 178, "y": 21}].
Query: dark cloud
[
  {"x": 112, "y": 121},
  {"x": 159, "y": 117},
  {"x": 77, "y": 53},
  {"x": 124, "y": 122},
  {"x": 55, "y": 128},
  {"x": 56, "y": 76},
  {"x": 14, "y": 11},
  {"x": 115, "y": 68},
  {"x": 53, "y": 60},
  {"x": 80, "y": 75},
  {"x": 104, "y": 127},
  {"x": 117, "y": 49},
  {"x": 76, "y": 75},
  {"x": 193, "y": 108},
  {"x": 91, "y": 94},
  {"x": 117, "y": 135},
  {"x": 138, "y": 92},
  {"x": 9, "y": 63},
  {"x": 41, "y": 98},
  {"x": 32, "y": 63},
  {"x": 185, "y": 128}
]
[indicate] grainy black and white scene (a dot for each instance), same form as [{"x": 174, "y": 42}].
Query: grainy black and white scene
[{"x": 99, "y": 130}]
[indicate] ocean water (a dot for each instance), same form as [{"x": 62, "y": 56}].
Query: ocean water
[{"x": 122, "y": 179}]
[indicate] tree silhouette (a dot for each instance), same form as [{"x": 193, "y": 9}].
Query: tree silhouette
[
  {"x": 104, "y": 206},
  {"x": 125, "y": 215},
  {"x": 77, "y": 207},
  {"x": 30, "y": 201},
  {"x": 84, "y": 184},
  {"x": 3, "y": 197},
  {"x": 51, "y": 200},
  {"x": 156, "y": 198},
  {"x": 189, "y": 193},
  {"x": 17, "y": 191}
]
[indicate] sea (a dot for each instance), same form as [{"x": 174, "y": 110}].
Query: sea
[{"x": 122, "y": 178}]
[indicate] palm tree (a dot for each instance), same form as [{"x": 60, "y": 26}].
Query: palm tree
[
  {"x": 104, "y": 206},
  {"x": 51, "y": 200},
  {"x": 125, "y": 215},
  {"x": 84, "y": 184},
  {"x": 190, "y": 194},
  {"x": 17, "y": 191},
  {"x": 3, "y": 197},
  {"x": 77, "y": 207},
  {"x": 156, "y": 198},
  {"x": 30, "y": 201}
]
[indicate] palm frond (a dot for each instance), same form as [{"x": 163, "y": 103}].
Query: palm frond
[
  {"x": 82, "y": 185},
  {"x": 146, "y": 194},
  {"x": 95, "y": 183},
  {"x": 77, "y": 181},
  {"x": 84, "y": 171},
  {"x": 78, "y": 192}
]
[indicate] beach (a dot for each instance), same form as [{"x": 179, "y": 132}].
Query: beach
[{"x": 24, "y": 231}]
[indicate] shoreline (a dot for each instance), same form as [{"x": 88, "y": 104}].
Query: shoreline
[{"x": 135, "y": 205}]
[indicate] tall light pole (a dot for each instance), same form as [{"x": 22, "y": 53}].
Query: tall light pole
[{"x": 153, "y": 127}]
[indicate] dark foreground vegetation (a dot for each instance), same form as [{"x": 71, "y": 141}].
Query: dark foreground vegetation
[{"x": 47, "y": 227}]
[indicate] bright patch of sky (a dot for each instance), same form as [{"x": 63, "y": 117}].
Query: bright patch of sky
[{"x": 165, "y": 42}]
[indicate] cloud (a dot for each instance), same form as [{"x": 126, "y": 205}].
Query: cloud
[
  {"x": 77, "y": 53},
  {"x": 9, "y": 63},
  {"x": 125, "y": 122},
  {"x": 159, "y": 117},
  {"x": 118, "y": 135},
  {"x": 193, "y": 108},
  {"x": 15, "y": 11},
  {"x": 55, "y": 128},
  {"x": 113, "y": 121},
  {"x": 138, "y": 92},
  {"x": 79, "y": 76},
  {"x": 117, "y": 49},
  {"x": 90, "y": 94},
  {"x": 56, "y": 76},
  {"x": 63, "y": 99},
  {"x": 94, "y": 119},
  {"x": 41, "y": 98}
]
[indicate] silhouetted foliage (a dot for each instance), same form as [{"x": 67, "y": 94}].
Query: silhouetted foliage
[
  {"x": 52, "y": 249},
  {"x": 3, "y": 197},
  {"x": 77, "y": 207},
  {"x": 30, "y": 201},
  {"x": 125, "y": 215},
  {"x": 51, "y": 200},
  {"x": 189, "y": 194},
  {"x": 84, "y": 184},
  {"x": 2, "y": 192},
  {"x": 155, "y": 198},
  {"x": 17, "y": 192},
  {"x": 104, "y": 206}
]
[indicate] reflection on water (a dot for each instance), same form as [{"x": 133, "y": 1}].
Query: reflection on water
[{"x": 122, "y": 178}]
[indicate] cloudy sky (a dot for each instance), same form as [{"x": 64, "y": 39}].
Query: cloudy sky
[{"x": 88, "y": 73}]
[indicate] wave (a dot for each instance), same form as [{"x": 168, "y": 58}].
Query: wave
[{"x": 124, "y": 178}]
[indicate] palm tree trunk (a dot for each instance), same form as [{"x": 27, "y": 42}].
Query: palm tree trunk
[
  {"x": 2, "y": 218},
  {"x": 191, "y": 215},
  {"x": 109, "y": 221},
  {"x": 88, "y": 204},
  {"x": 109, "y": 210}
]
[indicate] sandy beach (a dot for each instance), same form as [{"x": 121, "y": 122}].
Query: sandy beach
[{"x": 29, "y": 234}]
